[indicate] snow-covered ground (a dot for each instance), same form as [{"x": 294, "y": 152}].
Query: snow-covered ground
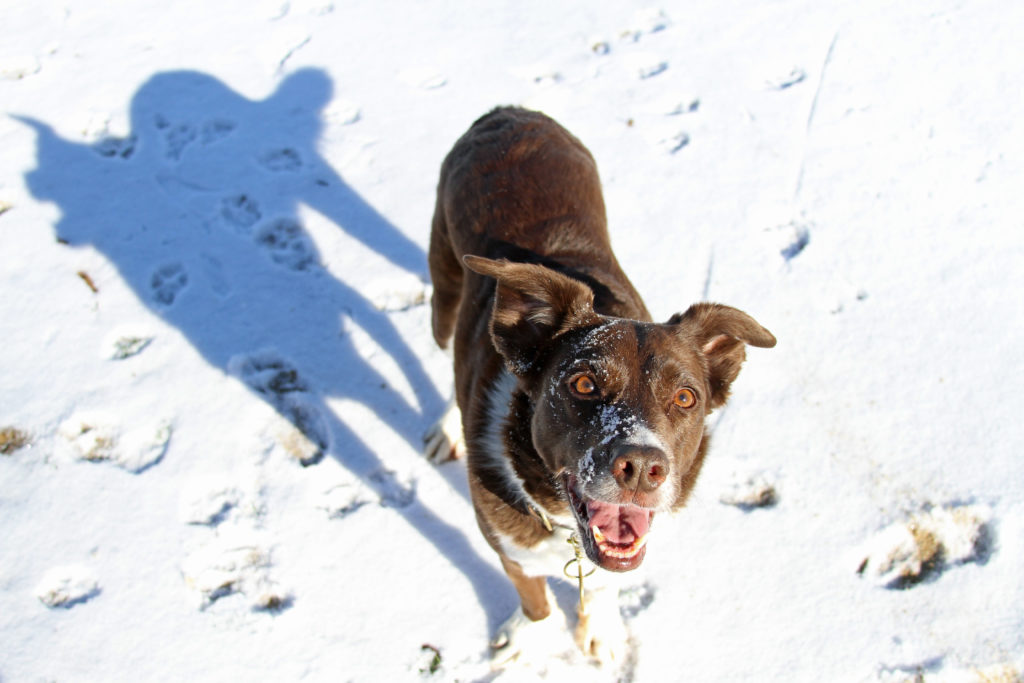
[{"x": 217, "y": 365}]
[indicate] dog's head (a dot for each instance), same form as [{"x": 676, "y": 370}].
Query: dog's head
[{"x": 618, "y": 404}]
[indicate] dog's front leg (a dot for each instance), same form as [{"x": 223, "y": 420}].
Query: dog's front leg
[
  {"x": 444, "y": 441},
  {"x": 600, "y": 631},
  {"x": 532, "y": 630}
]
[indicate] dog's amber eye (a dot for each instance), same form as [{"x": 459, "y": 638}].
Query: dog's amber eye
[
  {"x": 685, "y": 398},
  {"x": 584, "y": 384}
]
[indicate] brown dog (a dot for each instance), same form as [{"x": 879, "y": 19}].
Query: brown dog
[{"x": 580, "y": 415}]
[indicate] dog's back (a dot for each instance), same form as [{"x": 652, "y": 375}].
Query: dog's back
[{"x": 519, "y": 186}]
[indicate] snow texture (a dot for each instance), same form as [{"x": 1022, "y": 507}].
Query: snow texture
[{"x": 218, "y": 367}]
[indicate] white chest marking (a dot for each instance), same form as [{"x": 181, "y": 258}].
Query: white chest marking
[{"x": 548, "y": 557}]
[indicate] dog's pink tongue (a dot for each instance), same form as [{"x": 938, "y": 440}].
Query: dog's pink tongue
[{"x": 619, "y": 523}]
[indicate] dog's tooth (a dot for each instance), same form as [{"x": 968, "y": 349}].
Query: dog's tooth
[{"x": 598, "y": 536}]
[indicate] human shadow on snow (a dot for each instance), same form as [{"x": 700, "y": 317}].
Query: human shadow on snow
[{"x": 198, "y": 209}]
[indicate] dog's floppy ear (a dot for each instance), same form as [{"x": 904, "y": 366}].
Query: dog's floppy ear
[
  {"x": 533, "y": 304},
  {"x": 720, "y": 333}
]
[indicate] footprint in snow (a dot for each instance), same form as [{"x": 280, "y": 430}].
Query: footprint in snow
[
  {"x": 635, "y": 599},
  {"x": 789, "y": 238},
  {"x": 350, "y": 494},
  {"x": 13, "y": 439},
  {"x": 126, "y": 341},
  {"x": 215, "y": 130},
  {"x": 19, "y": 67},
  {"x": 67, "y": 586},
  {"x": 788, "y": 80},
  {"x": 906, "y": 553},
  {"x": 167, "y": 282},
  {"x": 97, "y": 437},
  {"x": 278, "y": 380},
  {"x": 643, "y": 22},
  {"x": 177, "y": 136},
  {"x": 208, "y": 501},
  {"x": 674, "y": 143},
  {"x": 281, "y": 160},
  {"x": 116, "y": 148},
  {"x": 645, "y": 64},
  {"x": 240, "y": 211},
  {"x": 287, "y": 244},
  {"x": 235, "y": 559},
  {"x": 751, "y": 492},
  {"x": 393, "y": 492},
  {"x": 646, "y": 21}
]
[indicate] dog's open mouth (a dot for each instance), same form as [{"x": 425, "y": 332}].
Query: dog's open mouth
[{"x": 614, "y": 536}]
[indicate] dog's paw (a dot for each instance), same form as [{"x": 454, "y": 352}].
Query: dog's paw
[
  {"x": 522, "y": 640},
  {"x": 444, "y": 441},
  {"x": 600, "y": 631}
]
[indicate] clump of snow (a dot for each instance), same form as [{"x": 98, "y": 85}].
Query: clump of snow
[
  {"x": 646, "y": 64},
  {"x": 645, "y": 21},
  {"x": 907, "y": 552},
  {"x": 788, "y": 79},
  {"x": 345, "y": 498},
  {"x": 13, "y": 439},
  {"x": 236, "y": 559},
  {"x": 995, "y": 673},
  {"x": 97, "y": 436},
  {"x": 675, "y": 142},
  {"x": 91, "y": 435},
  {"x": 397, "y": 294},
  {"x": 750, "y": 492},
  {"x": 126, "y": 341},
  {"x": 67, "y": 586},
  {"x": 17, "y": 67},
  {"x": 207, "y": 500}
]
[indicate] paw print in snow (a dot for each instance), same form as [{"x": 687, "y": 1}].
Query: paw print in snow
[
  {"x": 267, "y": 373},
  {"x": 308, "y": 437},
  {"x": 241, "y": 211},
  {"x": 788, "y": 80},
  {"x": 177, "y": 136},
  {"x": 116, "y": 148},
  {"x": 216, "y": 130},
  {"x": 167, "y": 283},
  {"x": 393, "y": 492},
  {"x": 278, "y": 160},
  {"x": 906, "y": 553},
  {"x": 636, "y": 599},
  {"x": 287, "y": 244},
  {"x": 67, "y": 586}
]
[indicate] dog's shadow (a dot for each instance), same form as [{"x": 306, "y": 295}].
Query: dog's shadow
[{"x": 198, "y": 210}]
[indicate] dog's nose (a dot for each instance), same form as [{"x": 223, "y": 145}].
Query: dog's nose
[{"x": 640, "y": 468}]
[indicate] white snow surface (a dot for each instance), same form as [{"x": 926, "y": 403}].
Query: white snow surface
[{"x": 214, "y": 219}]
